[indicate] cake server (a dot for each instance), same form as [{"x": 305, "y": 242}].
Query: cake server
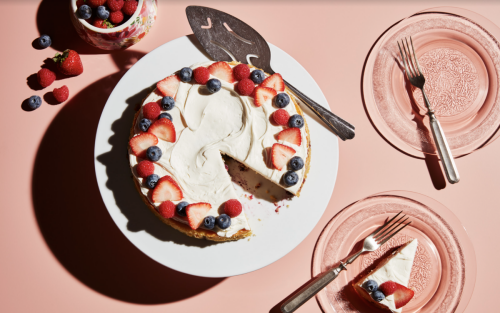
[{"x": 226, "y": 38}]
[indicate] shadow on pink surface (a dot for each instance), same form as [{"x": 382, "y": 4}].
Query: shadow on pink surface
[{"x": 72, "y": 217}]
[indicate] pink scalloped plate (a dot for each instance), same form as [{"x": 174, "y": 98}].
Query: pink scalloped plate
[
  {"x": 444, "y": 270},
  {"x": 460, "y": 60}
]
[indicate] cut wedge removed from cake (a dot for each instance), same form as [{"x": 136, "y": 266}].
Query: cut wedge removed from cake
[{"x": 386, "y": 287}]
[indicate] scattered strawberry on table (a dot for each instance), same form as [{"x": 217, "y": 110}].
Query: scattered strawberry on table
[
  {"x": 69, "y": 63},
  {"x": 106, "y": 13}
]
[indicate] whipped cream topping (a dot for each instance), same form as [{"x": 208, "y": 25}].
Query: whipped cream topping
[
  {"x": 208, "y": 125},
  {"x": 398, "y": 269}
]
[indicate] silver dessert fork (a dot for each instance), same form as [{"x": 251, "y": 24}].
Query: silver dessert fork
[
  {"x": 371, "y": 243},
  {"x": 417, "y": 79}
]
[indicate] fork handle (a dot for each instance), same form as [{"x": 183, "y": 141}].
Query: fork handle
[
  {"x": 340, "y": 127},
  {"x": 311, "y": 289}
]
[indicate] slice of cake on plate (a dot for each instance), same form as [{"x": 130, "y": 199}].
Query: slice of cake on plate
[{"x": 386, "y": 286}]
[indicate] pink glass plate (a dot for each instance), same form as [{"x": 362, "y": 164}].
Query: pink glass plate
[
  {"x": 444, "y": 271},
  {"x": 461, "y": 63}
]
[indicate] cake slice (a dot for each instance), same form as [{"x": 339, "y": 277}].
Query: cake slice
[{"x": 386, "y": 286}]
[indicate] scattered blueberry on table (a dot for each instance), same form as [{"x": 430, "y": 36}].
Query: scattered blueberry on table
[
  {"x": 44, "y": 41},
  {"x": 34, "y": 102}
]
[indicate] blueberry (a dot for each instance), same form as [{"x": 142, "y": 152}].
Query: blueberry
[
  {"x": 44, "y": 41},
  {"x": 167, "y": 103},
  {"x": 296, "y": 163},
  {"x": 85, "y": 12},
  {"x": 290, "y": 178},
  {"x": 209, "y": 222},
  {"x": 153, "y": 153},
  {"x": 102, "y": 13},
  {"x": 370, "y": 285},
  {"x": 165, "y": 115},
  {"x": 378, "y": 295},
  {"x": 257, "y": 76},
  {"x": 181, "y": 208},
  {"x": 213, "y": 85},
  {"x": 152, "y": 180},
  {"x": 34, "y": 102},
  {"x": 223, "y": 221},
  {"x": 281, "y": 100},
  {"x": 144, "y": 124},
  {"x": 186, "y": 74},
  {"x": 296, "y": 120}
]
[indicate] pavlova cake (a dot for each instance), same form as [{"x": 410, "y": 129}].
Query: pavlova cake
[{"x": 195, "y": 116}]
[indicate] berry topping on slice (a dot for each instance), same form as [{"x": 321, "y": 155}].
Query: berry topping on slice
[
  {"x": 262, "y": 94},
  {"x": 274, "y": 81},
  {"x": 290, "y": 178},
  {"x": 378, "y": 295},
  {"x": 164, "y": 129},
  {"x": 296, "y": 120},
  {"x": 144, "y": 124},
  {"x": 281, "y": 117},
  {"x": 167, "y": 209},
  {"x": 370, "y": 285},
  {"x": 241, "y": 71},
  {"x": 186, "y": 74},
  {"x": 257, "y": 76},
  {"x": 129, "y": 7},
  {"x": 154, "y": 153},
  {"x": 214, "y": 85},
  {"x": 296, "y": 163},
  {"x": 181, "y": 208},
  {"x": 281, "y": 100},
  {"x": 165, "y": 115},
  {"x": 167, "y": 103},
  {"x": 151, "y": 110},
  {"x": 69, "y": 63},
  {"x": 115, "y": 5},
  {"x": 209, "y": 222},
  {"x": 196, "y": 213},
  {"x": 152, "y": 180},
  {"x": 166, "y": 189},
  {"x": 145, "y": 168},
  {"x": 45, "y": 77},
  {"x": 291, "y": 135},
  {"x": 245, "y": 87},
  {"x": 222, "y": 71},
  {"x": 223, "y": 221},
  {"x": 140, "y": 144},
  {"x": 280, "y": 155},
  {"x": 201, "y": 75},
  {"x": 232, "y": 208},
  {"x": 402, "y": 294},
  {"x": 168, "y": 86},
  {"x": 61, "y": 94},
  {"x": 116, "y": 17}
]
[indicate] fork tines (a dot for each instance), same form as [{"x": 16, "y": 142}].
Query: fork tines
[
  {"x": 410, "y": 62},
  {"x": 391, "y": 230}
]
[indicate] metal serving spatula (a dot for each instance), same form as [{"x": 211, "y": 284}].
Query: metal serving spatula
[{"x": 226, "y": 38}]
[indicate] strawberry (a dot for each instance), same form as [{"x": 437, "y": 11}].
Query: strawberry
[
  {"x": 116, "y": 17},
  {"x": 222, "y": 70},
  {"x": 99, "y": 23},
  {"x": 274, "y": 81},
  {"x": 280, "y": 155},
  {"x": 167, "y": 209},
  {"x": 69, "y": 63},
  {"x": 201, "y": 75},
  {"x": 291, "y": 135},
  {"x": 262, "y": 94},
  {"x": 79, "y": 3},
  {"x": 151, "y": 110},
  {"x": 129, "y": 7},
  {"x": 168, "y": 86},
  {"x": 166, "y": 189},
  {"x": 281, "y": 117},
  {"x": 61, "y": 94},
  {"x": 245, "y": 87},
  {"x": 402, "y": 294},
  {"x": 196, "y": 213},
  {"x": 145, "y": 168},
  {"x": 115, "y": 5},
  {"x": 232, "y": 208},
  {"x": 163, "y": 129},
  {"x": 45, "y": 77},
  {"x": 95, "y": 3},
  {"x": 241, "y": 71},
  {"x": 139, "y": 144}
]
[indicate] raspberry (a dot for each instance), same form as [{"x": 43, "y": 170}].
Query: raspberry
[
  {"x": 115, "y": 5},
  {"x": 116, "y": 17},
  {"x": 241, "y": 71},
  {"x": 232, "y": 208},
  {"x": 151, "y": 110},
  {"x": 129, "y": 7},
  {"x": 201, "y": 75},
  {"x": 61, "y": 94},
  {"x": 245, "y": 87},
  {"x": 145, "y": 168},
  {"x": 167, "y": 209},
  {"x": 281, "y": 117},
  {"x": 95, "y": 3},
  {"x": 45, "y": 77},
  {"x": 79, "y": 3}
]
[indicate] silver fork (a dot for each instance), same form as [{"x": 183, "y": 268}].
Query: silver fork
[
  {"x": 417, "y": 79},
  {"x": 371, "y": 243}
]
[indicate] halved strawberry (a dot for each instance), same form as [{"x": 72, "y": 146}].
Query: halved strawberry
[
  {"x": 139, "y": 144},
  {"x": 223, "y": 71},
  {"x": 402, "y": 294},
  {"x": 262, "y": 94},
  {"x": 168, "y": 86},
  {"x": 280, "y": 155},
  {"x": 196, "y": 213},
  {"x": 274, "y": 81},
  {"x": 166, "y": 189},
  {"x": 291, "y": 135},
  {"x": 164, "y": 129}
]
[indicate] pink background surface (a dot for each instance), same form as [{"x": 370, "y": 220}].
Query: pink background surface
[{"x": 60, "y": 250}]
